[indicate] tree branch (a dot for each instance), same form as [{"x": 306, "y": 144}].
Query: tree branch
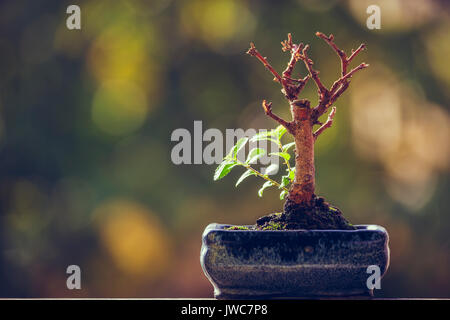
[
  {"x": 344, "y": 60},
  {"x": 337, "y": 89},
  {"x": 295, "y": 50},
  {"x": 327, "y": 124},
  {"x": 268, "y": 110},
  {"x": 355, "y": 52},
  {"x": 340, "y": 85},
  {"x": 336, "y": 95},
  {"x": 291, "y": 87},
  {"x": 313, "y": 73},
  {"x": 339, "y": 52},
  {"x": 253, "y": 52}
]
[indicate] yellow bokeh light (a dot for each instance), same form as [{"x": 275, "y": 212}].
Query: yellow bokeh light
[
  {"x": 121, "y": 52},
  {"x": 134, "y": 238},
  {"x": 413, "y": 192},
  {"x": 376, "y": 114},
  {"x": 427, "y": 134},
  {"x": 119, "y": 108},
  {"x": 220, "y": 24},
  {"x": 393, "y": 124},
  {"x": 122, "y": 60}
]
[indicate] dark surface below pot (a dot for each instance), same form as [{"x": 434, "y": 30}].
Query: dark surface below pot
[{"x": 244, "y": 264}]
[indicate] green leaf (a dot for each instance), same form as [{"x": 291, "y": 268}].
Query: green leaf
[
  {"x": 273, "y": 168},
  {"x": 255, "y": 154},
  {"x": 283, "y": 194},
  {"x": 264, "y": 138},
  {"x": 265, "y": 186},
  {"x": 279, "y": 131},
  {"x": 283, "y": 155},
  {"x": 236, "y": 148},
  {"x": 292, "y": 174},
  {"x": 245, "y": 175},
  {"x": 261, "y": 135},
  {"x": 272, "y": 135},
  {"x": 223, "y": 169},
  {"x": 240, "y": 144},
  {"x": 285, "y": 181},
  {"x": 287, "y": 146}
]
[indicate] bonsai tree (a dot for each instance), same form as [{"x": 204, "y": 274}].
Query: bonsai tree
[{"x": 302, "y": 208}]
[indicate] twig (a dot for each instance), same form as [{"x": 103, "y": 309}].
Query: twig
[
  {"x": 265, "y": 177},
  {"x": 295, "y": 52},
  {"x": 355, "y": 52},
  {"x": 344, "y": 60},
  {"x": 340, "y": 85},
  {"x": 268, "y": 110},
  {"x": 290, "y": 87},
  {"x": 313, "y": 73},
  {"x": 253, "y": 52},
  {"x": 327, "y": 124}
]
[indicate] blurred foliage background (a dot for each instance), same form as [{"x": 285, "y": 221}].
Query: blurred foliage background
[{"x": 86, "y": 118}]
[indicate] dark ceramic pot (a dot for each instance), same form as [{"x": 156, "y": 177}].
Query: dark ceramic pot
[{"x": 244, "y": 264}]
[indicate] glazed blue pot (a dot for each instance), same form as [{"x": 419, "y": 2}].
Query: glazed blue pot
[{"x": 243, "y": 264}]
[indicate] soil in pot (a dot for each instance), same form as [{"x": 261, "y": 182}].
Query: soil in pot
[{"x": 320, "y": 216}]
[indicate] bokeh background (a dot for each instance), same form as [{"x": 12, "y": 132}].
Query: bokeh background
[{"x": 86, "y": 117}]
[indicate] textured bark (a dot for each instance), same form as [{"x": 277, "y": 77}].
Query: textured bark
[{"x": 302, "y": 189}]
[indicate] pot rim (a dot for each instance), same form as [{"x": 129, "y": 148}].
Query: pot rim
[{"x": 360, "y": 228}]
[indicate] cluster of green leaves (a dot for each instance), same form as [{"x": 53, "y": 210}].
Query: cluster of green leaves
[{"x": 230, "y": 161}]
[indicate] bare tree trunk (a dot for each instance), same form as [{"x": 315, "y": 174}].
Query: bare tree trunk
[
  {"x": 304, "y": 118},
  {"x": 302, "y": 190},
  {"x": 302, "y": 209}
]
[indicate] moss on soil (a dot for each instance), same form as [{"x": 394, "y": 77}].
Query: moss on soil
[{"x": 238, "y": 228}]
